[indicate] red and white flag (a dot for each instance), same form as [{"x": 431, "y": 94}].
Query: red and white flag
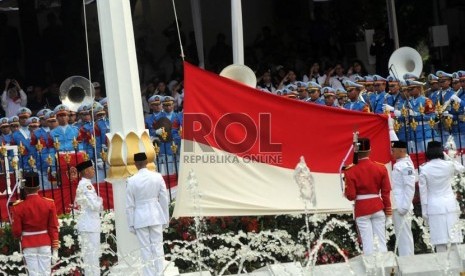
[{"x": 243, "y": 145}]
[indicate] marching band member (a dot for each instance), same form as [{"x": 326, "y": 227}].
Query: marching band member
[{"x": 355, "y": 101}]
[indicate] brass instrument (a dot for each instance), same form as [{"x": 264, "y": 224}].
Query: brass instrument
[{"x": 76, "y": 91}]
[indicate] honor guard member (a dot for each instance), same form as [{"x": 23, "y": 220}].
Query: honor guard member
[
  {"x": 433, "y": 85},
  {"x": 455, "y": 83},
  {"x": 88, "y": 224},
  {"x": 403, "y": 189},
  {"x": 23, "y": 137},
  {"x": 35, "y": 222},
  {"x": 329, "y": 95},
  {"x": 378, "y": 98},
  {"x": 419, "y": 137},
  {"x": 368, "y": 184},
  {"x": 155, "y": 107},
  {"x": 314, "y": 93},
  {"x": 355, "y": 100},
  {"x": 33, "y": 124},
  {"x": 341, "y": 96},
  {"x": 147, "y": 213},
  {"x": 439, "y": 205},
  {"x": 80, "y": 116},
  {"x": 49, "y": 159}
]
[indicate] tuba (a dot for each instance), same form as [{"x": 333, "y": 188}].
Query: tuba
[
  {"x": 76, "y": 91},
  {"x": 405, "y": 60},
  {"x": 240, "y": 73}
]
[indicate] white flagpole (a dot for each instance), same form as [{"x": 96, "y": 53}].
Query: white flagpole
[{"x": 237, "y": 34}]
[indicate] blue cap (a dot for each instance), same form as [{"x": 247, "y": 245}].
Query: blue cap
[
  {"x": 443, "y": 75},
  {"x": 33, "y": 121},
  {"x": 369, "y": 79},
  {"x": 49, "y": 115},
  {"x": 410, "y": 76},
  {"x": 41, "y": 113},
  {"x": 104, "y": 101},
  {"x": 461, "y": 74},
  {"x": 292, "y": 87},
  {"x": 414, "y": 83},
  {"x": 328, "y": 91},
  {"x": 391, "y": 78},
  {"x": 432, "y": 78},
  {"x": 13, "y": 120},
  {"x": 23, "y": 112},
  {"x": 4, "y": 121},
  {"x": 155, "y": 99},
  {"x": 61, "y": 109},
  {"x": 378, "y": 78},
  {"x": 350, "y": 84},
  {"x": 311, "y": 85}
]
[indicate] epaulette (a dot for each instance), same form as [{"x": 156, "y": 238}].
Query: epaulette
[
  {"x": 349, "y": 166},
  {"x": 17, "y": 202},
  {"x": 49, "y": 199}
]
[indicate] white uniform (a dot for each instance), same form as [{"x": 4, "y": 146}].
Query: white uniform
[
  {"x": 438, "y": 201},
  {"x": 403, "y": 190},
  {"x": 88, "y": 225},
  {"x": 147, "y": 213}
]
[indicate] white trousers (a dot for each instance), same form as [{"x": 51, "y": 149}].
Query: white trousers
[
  {"x": 372, "y": 227},
  {"x": 38, "y": 260},
  {"x": 151, "y": 243},
  {"x": 90, "y": 249},
  {"x": 403, "y": 230}
]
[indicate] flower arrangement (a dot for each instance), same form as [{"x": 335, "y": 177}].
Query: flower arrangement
[{"x": 226, "y": 245}]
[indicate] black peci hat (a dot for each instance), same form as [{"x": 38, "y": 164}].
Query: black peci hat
[
  {"x": 364, "y": 144},
  {"x": 434, "y": 145},
  {"x": 140, "y": 156},
  {"x": 399, "y": 144},
  {"x": 31, "y": 180},
  {"x": 84, "y": 165}
]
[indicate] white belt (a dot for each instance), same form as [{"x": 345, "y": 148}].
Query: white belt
[
  {"x": 144, "y": 201},
  {"x": 34, "y": 233},
  {"x": 368, "y": 196}
]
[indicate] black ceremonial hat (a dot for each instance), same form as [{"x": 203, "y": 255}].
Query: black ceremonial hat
[{"x": 140, "y": 156}]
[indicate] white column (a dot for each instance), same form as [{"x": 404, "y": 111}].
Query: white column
[
  {"x": 197, "y": 22},
  {"x": 237, "y": 34},
  {"x": 124, "y": 100}
]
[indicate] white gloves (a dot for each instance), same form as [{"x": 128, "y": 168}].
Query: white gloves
[
  {"x": 388, "y": 221},
  {"x": 397, "y": 113},
  {"x": 100, "y": 163},
  {"x": 455, "y": 98},
  {"x": 446, "y": 113},
  {"x": 412, "y": 113},
  {"x": 132, "y": 230},
  {"x": 388, "y": 107},
  {"x": 159, "y": 131},
  {"x": 55, "y": 257}
]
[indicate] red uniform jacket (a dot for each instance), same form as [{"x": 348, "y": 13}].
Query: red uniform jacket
[
  {"x": 36, "y": 214},
  {"x": 365, "y": 178}
]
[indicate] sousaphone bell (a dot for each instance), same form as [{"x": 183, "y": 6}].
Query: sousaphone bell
[
  {"x": 76, "y": 91},
  {"x": 240, "y": 73}
]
